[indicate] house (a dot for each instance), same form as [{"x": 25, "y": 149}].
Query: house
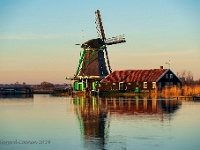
[{"x": 139, "y": 80}]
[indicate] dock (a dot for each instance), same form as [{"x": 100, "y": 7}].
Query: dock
[{"x": 187, "y": 97}]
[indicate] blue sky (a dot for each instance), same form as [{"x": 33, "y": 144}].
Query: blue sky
[{"x": 37, "y": 38}]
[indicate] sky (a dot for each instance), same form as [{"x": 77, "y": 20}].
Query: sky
[{"x": 37, "y": 38}]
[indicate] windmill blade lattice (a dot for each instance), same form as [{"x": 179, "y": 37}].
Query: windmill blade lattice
[
  {"x": 115, "y": 40},
  {"x": 101, "y": 34},
  {"x": 99, "y": 27},
  {"x": 108, "y": 62}
]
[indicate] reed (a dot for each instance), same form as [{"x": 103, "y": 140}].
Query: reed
[
  {"x": 191, "y": 90},
  {"x": 176, "y": 91}
]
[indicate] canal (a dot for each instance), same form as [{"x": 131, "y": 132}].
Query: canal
[{"x": 47, "y": 122}]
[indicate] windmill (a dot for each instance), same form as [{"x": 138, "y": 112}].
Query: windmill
[
  {"x": 92, "y": 61},
  {"x": 93, "y": 65}
]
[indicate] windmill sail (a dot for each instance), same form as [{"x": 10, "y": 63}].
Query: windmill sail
[
  {"x": 115, "y": 40},
  {"x": 99, "y": 27}
]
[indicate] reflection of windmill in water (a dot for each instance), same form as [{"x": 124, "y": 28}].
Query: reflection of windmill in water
[
  {"x": 93, "y": 122},
  {"x": 93, "y": 66}
]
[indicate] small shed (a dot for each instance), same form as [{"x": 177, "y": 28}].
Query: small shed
[{"x": 139, "y": 80}]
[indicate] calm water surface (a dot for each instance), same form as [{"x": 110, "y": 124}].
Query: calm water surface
[{"x": 47, "y": 122}]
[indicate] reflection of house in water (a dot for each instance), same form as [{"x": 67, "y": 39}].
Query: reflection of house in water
[
  {"x": 94, "y": 115},
  {"x": 139, "y": 106}
]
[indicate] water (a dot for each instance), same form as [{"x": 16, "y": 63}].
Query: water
[{"x": 47, "y": 122}]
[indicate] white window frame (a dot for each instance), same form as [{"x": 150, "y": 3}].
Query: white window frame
[
  {"x": 120, "y": 85},
  {"x": 145, "y": 85},
  {"x": 171, "y": 76},
  {"x": 153, "y": 85}
]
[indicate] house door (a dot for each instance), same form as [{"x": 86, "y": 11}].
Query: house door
[
  {"x": 75, "y": 86},
  {"x": 81, "y": 86}
]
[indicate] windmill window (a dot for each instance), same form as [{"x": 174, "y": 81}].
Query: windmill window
[{"x": 93, "y": 52}]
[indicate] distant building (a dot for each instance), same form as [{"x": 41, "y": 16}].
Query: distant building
[{"x": 139, "y": 80}]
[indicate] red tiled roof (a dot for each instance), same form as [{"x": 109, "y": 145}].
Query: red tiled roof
[
  {"x": 118, "y": 76},
  {"x": 135, "y": 75}
]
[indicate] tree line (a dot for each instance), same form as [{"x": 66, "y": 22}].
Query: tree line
[{"x": 187, "y": 78}]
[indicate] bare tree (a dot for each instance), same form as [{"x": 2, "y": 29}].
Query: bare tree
[{"x": 186, "y": 77}]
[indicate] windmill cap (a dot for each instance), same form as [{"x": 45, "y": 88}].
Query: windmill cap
[{"x": 93, "y": 44}]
